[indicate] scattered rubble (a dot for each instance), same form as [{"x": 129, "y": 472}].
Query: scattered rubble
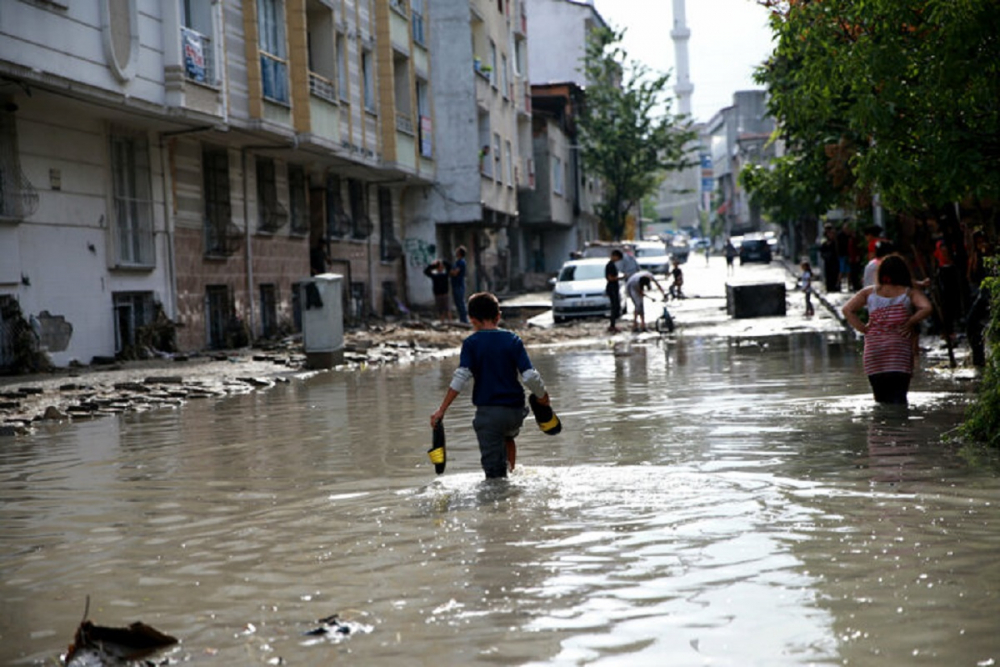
[{"x": 87, "y": 392}]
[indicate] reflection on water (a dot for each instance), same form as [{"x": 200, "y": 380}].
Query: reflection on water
[{"x": 708, "y": 502}]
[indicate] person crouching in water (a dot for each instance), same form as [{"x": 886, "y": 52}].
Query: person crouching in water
[
  {"x": 497, "y": 363},
  {"x": 636, "y": 287},
  {"x": 895, "y": 309}
]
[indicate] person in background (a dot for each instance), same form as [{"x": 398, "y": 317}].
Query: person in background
[
  {"x": 805, "y": 280},
  {"x": 678, "y": 280},
  {"x": 438, "y": 272},
  {"x": 895, "y": 309},
  {"x": 457, "y": 274},
  {"x": 613, "y": 288},
  {"x": 730, "y": 252},
  {"x": 318, "y": 258},
  {"x": 497, "y": 363},
  {"x": 883, "y": 249},
  {"x": 636, "y": 287},
  {"x": 831, "y": 261},
  {"x": 978, "y": 317},
  {"x": 628, "y": 266}
]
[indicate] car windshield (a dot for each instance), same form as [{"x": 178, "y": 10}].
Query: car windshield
[
  {"x": 650, "y": 251},
  {"x": 581, "y": 272}
]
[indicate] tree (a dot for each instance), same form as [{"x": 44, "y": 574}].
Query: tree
[{"x": 628, "y": 135}]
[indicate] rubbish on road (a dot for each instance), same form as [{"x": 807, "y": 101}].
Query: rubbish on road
[{"x": 755, "y": 300}]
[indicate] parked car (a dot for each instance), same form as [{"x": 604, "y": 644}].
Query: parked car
[
  {"x": 652, "y": 256},
  {"x": 603, "y": 248},
  {"x": 755, "y": 249},
  {"x": 679, "y": 248},
  {"x": 579, "y": 290}
]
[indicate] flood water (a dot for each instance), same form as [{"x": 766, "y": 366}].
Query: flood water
[{"x": 709, "y": 502}]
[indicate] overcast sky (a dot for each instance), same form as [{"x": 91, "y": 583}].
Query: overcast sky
[{"x": 728, "y": 39}]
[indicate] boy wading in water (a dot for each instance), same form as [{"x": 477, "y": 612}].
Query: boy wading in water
[{"x": 497, "y": 363}]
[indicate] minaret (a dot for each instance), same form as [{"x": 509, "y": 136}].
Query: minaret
[{"x": 680, "y": 34}]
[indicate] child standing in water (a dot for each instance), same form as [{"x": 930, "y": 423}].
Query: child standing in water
[
  {"x": 806, "y": 282},
  {"x": 497, "y": 363}
]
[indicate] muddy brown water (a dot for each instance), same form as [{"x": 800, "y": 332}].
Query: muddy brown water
[{"x": 709, "y": 502}]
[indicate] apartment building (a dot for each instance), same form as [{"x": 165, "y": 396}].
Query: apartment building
[
  {"x": 184, "y": 156},
  {"x": 480, "y": 94}
]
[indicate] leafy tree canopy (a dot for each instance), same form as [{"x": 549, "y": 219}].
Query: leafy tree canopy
[
  {"x": 907, "y": 90},
  {"x": 629, "y": 136}
]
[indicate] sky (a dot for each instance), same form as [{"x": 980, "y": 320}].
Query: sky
[{"x": 729, "y": 38}]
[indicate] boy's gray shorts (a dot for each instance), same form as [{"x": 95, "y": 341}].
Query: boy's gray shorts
[{"x": 493, "y": 425}]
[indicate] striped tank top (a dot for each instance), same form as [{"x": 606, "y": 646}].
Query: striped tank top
[{"x": 887, "y": 350}]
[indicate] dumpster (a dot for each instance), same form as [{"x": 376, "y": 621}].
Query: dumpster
[
  {"x": 322, "y": 305},
  {"x": 755, "y": 299}
]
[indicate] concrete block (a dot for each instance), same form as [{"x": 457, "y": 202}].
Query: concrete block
[{"x": 755, "y": 300}]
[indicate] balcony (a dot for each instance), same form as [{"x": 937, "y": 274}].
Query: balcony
[
  {"x": 199, "y": 57},
  {"x": 404, "y": 123},
  {"x": 323, "y": 88}
]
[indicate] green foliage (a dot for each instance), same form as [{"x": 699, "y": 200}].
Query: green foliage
[
  {"x": 907, "y": 89},
  {"x": 982, "y": 419},
  {"x": 626, "y": 139}
]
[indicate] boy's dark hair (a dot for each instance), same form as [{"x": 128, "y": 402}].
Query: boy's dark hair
[
  {"x": 617, "y": 252},
  {"x": 894, "y": 271},
  {"x": 460, "y": 251},
  {"x": 873, "y": 230},
  {"x": 644, "y": 282},
  {"x": 484, "y": 306}
]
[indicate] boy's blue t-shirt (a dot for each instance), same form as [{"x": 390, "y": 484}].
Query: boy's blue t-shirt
[{"x": 496, "y": 358}]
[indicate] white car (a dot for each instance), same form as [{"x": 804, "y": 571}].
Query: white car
[
  {"x": 652, "y": 256},
  {"x": 580, "y": 290}
]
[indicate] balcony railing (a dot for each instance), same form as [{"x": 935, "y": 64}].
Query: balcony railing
[
  {"x": 274, "y": 76},
  {"x": 320, "y": 86},
  {"x": 199, "y": 56},
  {"x": 404, "y": 123}
]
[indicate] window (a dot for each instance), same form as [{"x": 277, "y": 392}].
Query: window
[
  {"x": 196, "y": 41},
  {"x": 297, "y": 203},
  {"x": 18, "y": 198},
  {"x": 341, "y": 46},
  {"x": 132, "y": 200},
  {"x": 557, "y": 175},
  {"x": 493, "y": 63},
  {"x": 417, "y": 24},
  {"x": 485, "y": 163},
  {"x": 320, "y": 39},
  {"x": 368, "y": 79},
  {"x": 504, "y": 85},
  {"x": 359, "y": 209},
  {"x": 401, "y": 86},
  {"x": 509, "y": 155},
  {"x": 215, "y": 183},
  {"x": 497, "y": 158},
  {"x": 390, "y": 249},
  {"x": 270, "y": 214},
  {"x": 271, "y": 40}
]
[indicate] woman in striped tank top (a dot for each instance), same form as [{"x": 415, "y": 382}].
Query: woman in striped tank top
[{"x": 895, "y": 309}]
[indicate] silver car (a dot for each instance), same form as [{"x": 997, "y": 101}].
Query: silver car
[{"x": 580, "y": 290}]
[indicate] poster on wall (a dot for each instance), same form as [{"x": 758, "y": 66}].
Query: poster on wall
[
  {"x": 426, "y": 137},
  {"x": 194, "y": 55}
]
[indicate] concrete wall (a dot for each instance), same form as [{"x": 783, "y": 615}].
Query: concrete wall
[
  {"x": 557, "y": 39},
  {"x": 64, "y": 252}
]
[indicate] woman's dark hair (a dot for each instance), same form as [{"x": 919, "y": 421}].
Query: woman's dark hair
[
  {"x": 484, "y": 306},
  {"x": 892, "y": 270}
]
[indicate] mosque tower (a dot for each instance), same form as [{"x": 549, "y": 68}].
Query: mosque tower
[{"x": 680, "y": 34}]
